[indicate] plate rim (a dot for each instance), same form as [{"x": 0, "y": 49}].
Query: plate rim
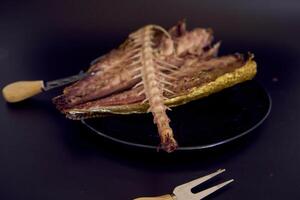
[{"x": 207, "y": 146}]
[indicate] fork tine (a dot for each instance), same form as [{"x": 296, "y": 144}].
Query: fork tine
[
  {"x": 193, "y": 183},
  {"x": 205, "y": 193}
]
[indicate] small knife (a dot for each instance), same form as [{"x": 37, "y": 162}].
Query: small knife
[{"x": 21, "y": 90}]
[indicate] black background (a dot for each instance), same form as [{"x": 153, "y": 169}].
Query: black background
[{"x": 45, "y": 156}]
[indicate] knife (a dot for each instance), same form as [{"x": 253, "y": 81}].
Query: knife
[{"x": 21, "y": 90}]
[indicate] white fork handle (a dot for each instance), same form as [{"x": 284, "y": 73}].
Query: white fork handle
[{"x": 164, "y": 197}]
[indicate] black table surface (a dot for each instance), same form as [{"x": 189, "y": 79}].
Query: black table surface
[{"x": 45, "y": 156}]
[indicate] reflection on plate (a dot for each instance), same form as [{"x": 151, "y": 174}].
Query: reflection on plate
[{"x": 204, "y": 123}]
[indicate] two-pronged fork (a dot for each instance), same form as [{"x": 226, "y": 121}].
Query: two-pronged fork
[{"x": 183, "y": 192}]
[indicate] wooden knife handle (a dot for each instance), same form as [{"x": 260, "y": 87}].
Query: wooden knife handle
[
  {"x": 164, "y": 197},
  {"x": 21, "y": 90}
]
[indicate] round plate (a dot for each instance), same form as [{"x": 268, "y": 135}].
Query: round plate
[{"x": 204, "y": 123}]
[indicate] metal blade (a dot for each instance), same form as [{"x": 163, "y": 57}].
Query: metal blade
[{"x": 64, "y": 81}]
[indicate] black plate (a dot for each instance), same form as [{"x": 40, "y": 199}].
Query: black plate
[{"x": 205, "y": 123}]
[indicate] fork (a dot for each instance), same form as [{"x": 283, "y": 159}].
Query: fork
[{"x": 183, "y": 192}]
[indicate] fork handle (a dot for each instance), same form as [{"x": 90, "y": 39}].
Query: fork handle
[{"x": 164, "y": 197}]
